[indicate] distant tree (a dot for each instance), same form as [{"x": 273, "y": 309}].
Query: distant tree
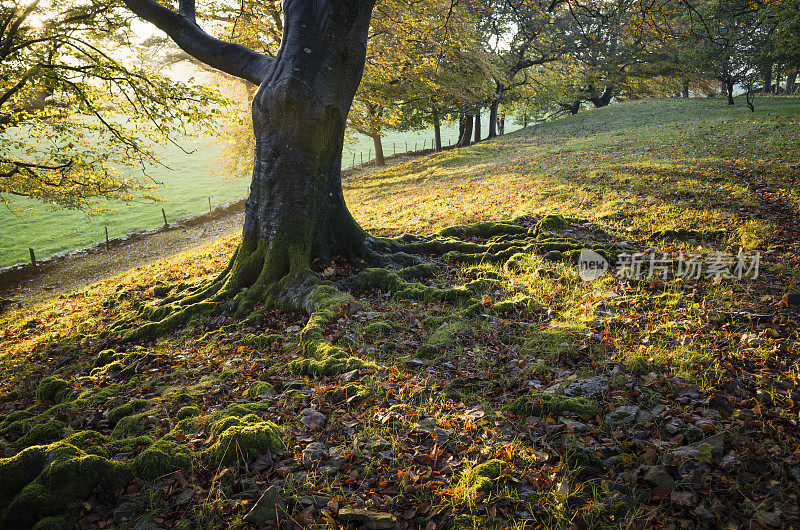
[{"x": 728, "y": 39}]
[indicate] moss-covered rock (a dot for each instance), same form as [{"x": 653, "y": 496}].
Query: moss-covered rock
[
  {"x": 482, "y": 477},
  {"x": 161, "y": 458},
  {"x": 540, "y": 404},
  {"x": 259, "y": 388},
  {"x": 551, "y": 222},
  {"x": 129, "y": 408},
  {"x": 129, "y": 426},
  {"x": 243, "y": 442},
  {"x": 188, "y": 411},
  {"x": 46, "y": 481},
  {"x": 379, "y": 329},
  {"x": 52, "y": 389},
  {"x": 106, "y": 357},
  {"x": 42, "y": 433}
]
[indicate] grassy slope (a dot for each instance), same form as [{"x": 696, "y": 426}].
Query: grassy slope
[{"x": 630, "y": 169}]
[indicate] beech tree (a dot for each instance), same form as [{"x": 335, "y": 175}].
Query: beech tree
[{"x": 295, "y": 212}]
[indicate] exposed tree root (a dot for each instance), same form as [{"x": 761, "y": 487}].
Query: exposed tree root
[{"x": 285, "y": 280}]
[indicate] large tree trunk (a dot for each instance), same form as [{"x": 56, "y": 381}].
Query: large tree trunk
[
  {"x": 437, "y": 130},
  {"x": 685, "y": 90},
  {"x": 478, "y": 124},
  {"x": 501, "y": 125},
  {"x": 729, "y": 90},
  {"x": 603, "y": 99},
  {"x": 767, "y": 73},
  {"x": 791, "y": 83},
  {"x": 466, "y": 133},
  {"x": 376, "y": 141},
  {"x": 296, "y": 212},
  {"x": 493, "y": 119}
]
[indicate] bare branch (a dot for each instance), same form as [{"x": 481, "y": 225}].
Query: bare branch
[{"x": 227, "y": 57}]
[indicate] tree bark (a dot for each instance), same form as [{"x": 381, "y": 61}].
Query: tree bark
[
  {"x": 767, "y": 79},
  {"x": 379, "y": 159},
  {"x": 791, "y": 83},
  {"x": 477, "y": 125},
  {"x": 603, "y": 99},
  {"x": 729, "y": 90},
  {"x": 685, "y": 90},
  {"x": 501, "y": 125},
  {"x": 296, "y": 211},
  {"x": 466, "y": 134},
  {"x": 437, "y": 130},
  {"x": 493, "y": 118}
]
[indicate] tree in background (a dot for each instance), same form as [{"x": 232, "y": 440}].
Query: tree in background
[
  {"x": 73, "y": 109},
  {"x": 728, "y": 39}
]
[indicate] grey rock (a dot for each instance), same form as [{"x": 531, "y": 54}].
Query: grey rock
[
  {"x": 693, "y": 433},
  {"x": 415, "y": 364},
  {"x": 184, "y": 497},
  {"x": 574, "y": 426},
  {"x": 592, "y": 386},
  {"x": 125, "y": 511},
  {"x": 675, "y": 426},
  {"x": 331, "y": 465},
  {"x": 311, "y": 417},
  {"x": 370, "y": 520},
  {"x": 350, "y": 376},
  {"x": 313, "y": 453},
  {"x": 268, "y": 509},
  {"x": 424, "y": 426},
  {"x": 378, "y": 443},
  {"x": 658, "y": 476},
  {"x": 623, "y": 415},
  {"x": 313, "y": 500}
]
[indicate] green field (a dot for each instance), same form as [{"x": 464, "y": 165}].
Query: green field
[{"x": 189, "y": 180}]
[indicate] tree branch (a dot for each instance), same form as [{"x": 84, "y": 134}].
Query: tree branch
[{"x": 227, "y": 57}]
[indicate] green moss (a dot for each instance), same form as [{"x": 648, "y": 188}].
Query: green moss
[
  {"x": 442, "y": 338},
  {"x": 482, "y": 477},
  {"x": 243, "y": 442},
  {"x": 517, "y": 262},
  {"x": 379, "y": 329},
  {"x": 52, "y": 389},
  {"x": 554, "y": 255},
  {"x": 132, "y": 425},
  {"x": 187, "y": 412},
  {"x": 54, "y": 479},
  {"x": 549, "y": 223},
  {"x": 263, "y": 342},
  {"x": 106, "y": 356},
  {"x": 11, "y": 395},
  {"x": 518, "y": 304},
  {"x": 540, "y": 404},
  {"x": 109, "y": 369},
  {"x": 484, "y": 230},
  {"x": 161, "y": 458},
  {"x": 42, "y": 433},
  {"x": 132, "y": 407}
]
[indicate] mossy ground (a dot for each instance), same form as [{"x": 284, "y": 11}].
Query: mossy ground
[{"x": 214, "y": 408}]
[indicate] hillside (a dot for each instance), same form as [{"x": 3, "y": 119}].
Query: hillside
[{"x": 491, "y": 388}]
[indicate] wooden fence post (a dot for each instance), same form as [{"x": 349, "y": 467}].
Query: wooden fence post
[
  {"x": 33, "y": 258},
  {"x": 354, "y": 160},
  {"x": 406, "y": 146},
  {"x": 106, "y": 238},
  {"x": 166, "y": 224},
  {"x": 209, "y": 205}
]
